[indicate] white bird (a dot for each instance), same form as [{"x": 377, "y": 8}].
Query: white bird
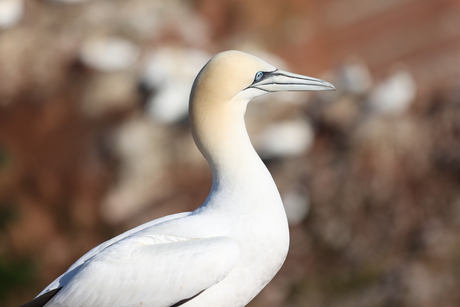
[
  {"x": 11, "y": 12},
  {"x": 169, "y": 72},
  {"x": 285, "y": 139},
  {"x": 395, "y": 94},
  {"x": 109, "y": 54},
  {"x": 227, "y": 250}
]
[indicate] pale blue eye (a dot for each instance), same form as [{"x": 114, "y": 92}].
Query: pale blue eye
[{"x": 259, "y": 76}]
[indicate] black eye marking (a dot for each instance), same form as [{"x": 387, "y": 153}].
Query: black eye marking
[{"x": 258, "y": 76}]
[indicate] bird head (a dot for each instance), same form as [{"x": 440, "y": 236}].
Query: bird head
[
  {"x": 235, "y": 75},
  {"x": 222, "y": 90}
]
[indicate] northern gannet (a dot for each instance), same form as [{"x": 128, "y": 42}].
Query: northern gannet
[{"x": 227, "y": 250}]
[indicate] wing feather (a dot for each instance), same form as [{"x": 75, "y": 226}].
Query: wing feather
[
  {"x": 41, "y": 300},
  {"x": 155, "y": 270},
  {"x": 75, "y": 267}
]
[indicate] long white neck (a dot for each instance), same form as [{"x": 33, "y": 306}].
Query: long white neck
[{"x": 219, "y": 130}]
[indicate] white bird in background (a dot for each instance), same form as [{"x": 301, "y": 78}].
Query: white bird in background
[
  {"x": 169, "y": 73},
  {"x": 11, "y": 13},
  {"x": 395, "y": 94},
  {"x": 227, "y": 250}
]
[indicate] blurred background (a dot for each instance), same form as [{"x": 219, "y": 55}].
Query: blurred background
[{"x": 94, "y": 137}]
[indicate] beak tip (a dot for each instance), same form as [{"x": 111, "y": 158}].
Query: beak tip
[{"x": 330, "y": 86}]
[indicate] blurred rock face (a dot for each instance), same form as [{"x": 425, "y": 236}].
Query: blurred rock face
[{"x": 94, "y": 137}]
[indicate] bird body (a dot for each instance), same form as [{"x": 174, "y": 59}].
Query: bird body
[{"x": 228, "y": 249}]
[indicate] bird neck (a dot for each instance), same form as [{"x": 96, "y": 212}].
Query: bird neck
[
  {"x": 220, "y": 133},
  {"x": 241, "y": 184}
]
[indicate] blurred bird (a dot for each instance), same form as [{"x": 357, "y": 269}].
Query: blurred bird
[
  {"x": 285, "y": 139},
  {"x": 395, "y": 94},
  {"x": 227, "y": 250},
  {"x": 355, "y": 77},
  {"x": 169, "y": 73},
  {"x": 11, "y": 12},
  {"x": 109, "y": 54}
]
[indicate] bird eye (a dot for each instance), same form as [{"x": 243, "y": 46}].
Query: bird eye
[{"x": 258, "y": 76}]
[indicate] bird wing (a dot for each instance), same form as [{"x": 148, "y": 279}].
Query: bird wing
[
  {"x": 155, "y": 270},
  {"x": 74, "y": 267},
  {"x": 41, "y": 300}
]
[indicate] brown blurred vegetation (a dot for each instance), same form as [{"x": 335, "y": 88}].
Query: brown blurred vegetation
[{"x": 383, "y": 226}]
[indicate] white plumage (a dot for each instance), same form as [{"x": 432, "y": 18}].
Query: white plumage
[{"x": 227, "y": 250}]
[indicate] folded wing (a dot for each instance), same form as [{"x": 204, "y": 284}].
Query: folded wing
[{"x": 155, "y": 270}]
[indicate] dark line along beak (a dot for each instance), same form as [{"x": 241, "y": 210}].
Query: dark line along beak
[{"x": 280, "y": 80}]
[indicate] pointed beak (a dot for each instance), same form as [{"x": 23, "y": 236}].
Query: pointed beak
[{"x": 280, "y": 80}]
